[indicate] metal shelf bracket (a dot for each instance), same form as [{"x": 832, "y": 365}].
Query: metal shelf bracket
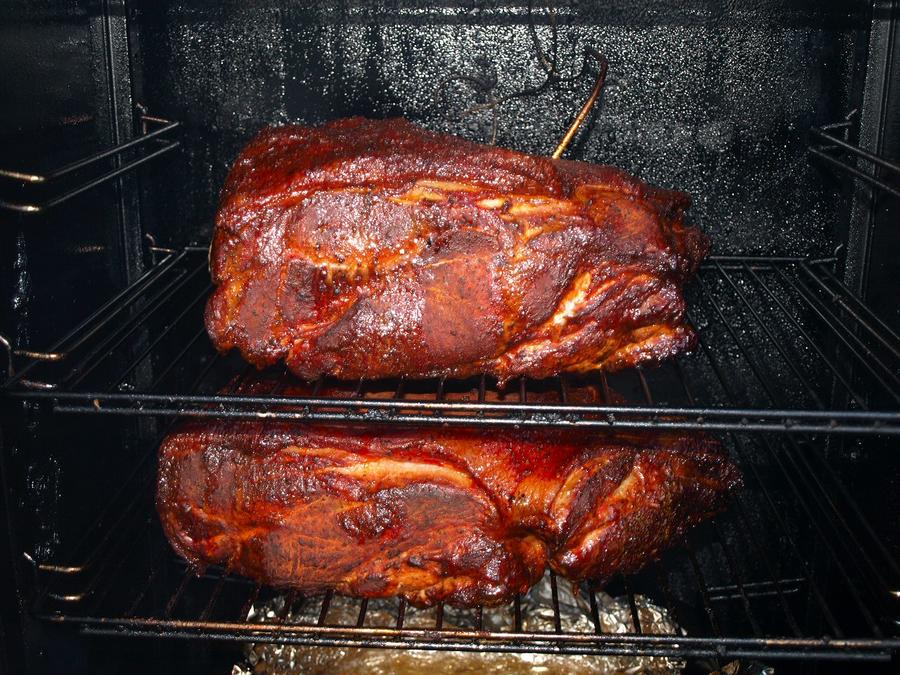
[
  {"x": 29, "y": 354},
  {"x": 149, "y": 139},
  {"x": 832, "y": 149}
]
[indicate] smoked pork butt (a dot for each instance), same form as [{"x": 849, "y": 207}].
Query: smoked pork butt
[
  {"x": 466, "y": 516},
  {"x": 375, "y": 248}
]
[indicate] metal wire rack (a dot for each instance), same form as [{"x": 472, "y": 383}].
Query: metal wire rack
[
  {"x": 744, "y": 585},
  {"x": 843, "y": 155},
  {"x": 784, "y": 347},
  {"x": 36, "y": 192}
]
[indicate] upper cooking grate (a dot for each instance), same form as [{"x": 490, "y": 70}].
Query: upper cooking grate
[{"x": 784, "y": 346}]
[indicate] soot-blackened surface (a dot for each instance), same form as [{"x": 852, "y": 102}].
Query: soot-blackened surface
[{"x": 714, "y": 98}]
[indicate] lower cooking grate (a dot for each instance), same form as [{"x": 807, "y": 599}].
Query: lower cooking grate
[
  {"x": 784, "y": 346},
  {"x": 791, "y": 570}
]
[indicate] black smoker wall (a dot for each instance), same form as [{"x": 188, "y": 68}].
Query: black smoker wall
[
  {"x": 712, "y": 97},
  {"x": 54, "y": 108},
  {"x": 56, "y": 105}
]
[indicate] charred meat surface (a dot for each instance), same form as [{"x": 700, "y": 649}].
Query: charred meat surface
[
  {"x": 466, "y": 516},
  {"x": 375, "y": 248}
]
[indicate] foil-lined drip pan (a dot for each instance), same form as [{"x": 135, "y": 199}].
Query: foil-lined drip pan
[{"x": 615, "y": 615}]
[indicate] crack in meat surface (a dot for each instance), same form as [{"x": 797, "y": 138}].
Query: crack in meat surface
[{"x": 375, "y": 248}]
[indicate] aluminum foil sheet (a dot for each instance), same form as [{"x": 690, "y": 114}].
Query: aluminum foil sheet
[
  {"x": 537, "y": 616},
  {"x": 744, "y": 668}
]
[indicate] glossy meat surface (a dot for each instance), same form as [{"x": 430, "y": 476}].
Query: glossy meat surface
[
  {"x": 466, "y": 516},
  {"x": 368, "y": 248}
]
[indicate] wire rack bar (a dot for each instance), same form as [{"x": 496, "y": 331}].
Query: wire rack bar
[
  {"x": 856, "y": 150},
  {"x": 832, "y": 143},
  {"x": 565, "y": 643},
  {"x": 880, "y": 331},
  {"x": 504, "y": 415},
  {"x": 842, "y": 294},
  {"x": 150, "y": 139}
]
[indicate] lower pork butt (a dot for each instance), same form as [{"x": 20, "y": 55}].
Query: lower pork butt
[{"x": 465, "y": 516}]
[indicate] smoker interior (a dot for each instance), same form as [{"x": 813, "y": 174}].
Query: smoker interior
[{"x": 796, "y": 370}]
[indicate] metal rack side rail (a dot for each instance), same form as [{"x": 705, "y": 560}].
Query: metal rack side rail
[
  {"x": 355, "y": 410},
  {"x": 499, "y": 641},
  {"x": 156, "y": 140},
  {"x": 831, "y": 146}
]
